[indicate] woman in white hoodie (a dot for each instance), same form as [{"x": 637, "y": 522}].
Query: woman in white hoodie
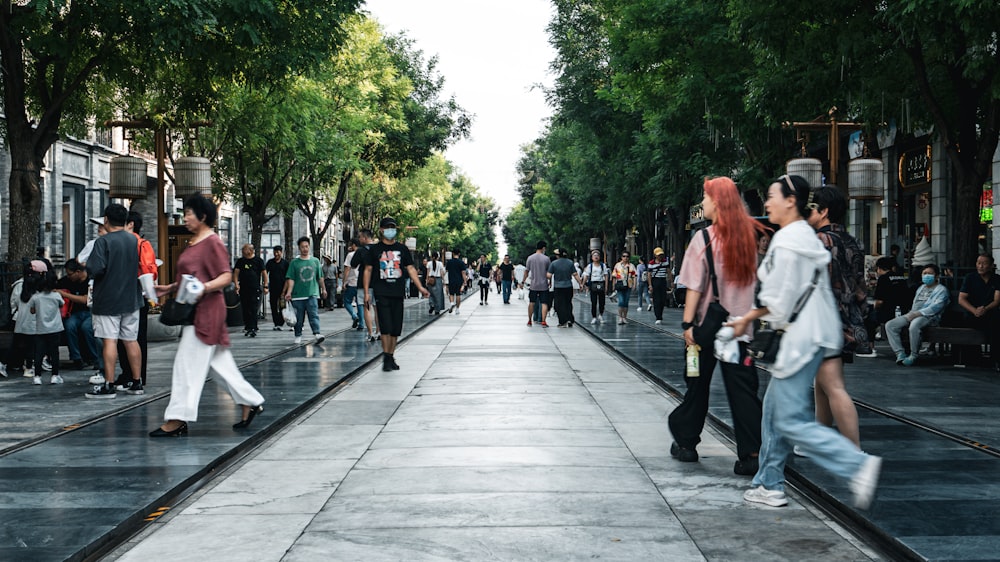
[{"x": 786, "y": 273}]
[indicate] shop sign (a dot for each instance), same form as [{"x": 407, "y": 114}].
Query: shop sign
[
  {"x": 915, "y": 167},
  {"x": 986, "y": 205}
]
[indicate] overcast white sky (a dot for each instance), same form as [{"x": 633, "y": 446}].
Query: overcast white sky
[{"x": 492, "y": 55}]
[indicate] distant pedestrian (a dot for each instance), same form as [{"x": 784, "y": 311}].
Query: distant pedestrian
[
  {"x": 795, "y": 266},
  {"x": 247, "y": 274},
  {"x": 597, "y": 275},
  {"x": 366, "y": 239},
  {"x": 114, "y": 267},
  {"x": 485, "y": 271},
  {"x": 642, "y": 285},
  {"x": 457, "y": 278},
  {"x": 625, "y": 278},
  {"x": 506, "y": 276},
  {"x": 388, "y": 263},
  {"x": 434, "y": 282},
  {"x": 519, "y": 271},
  {"x": 204, "y": 347},
  {"x": 350, "y": 280},
  {"x": 658, "y": 276},
  {"x": 303, "y": 289},
  {"x": 275, "y": 271},
  {"x": 562, "y": 273},
  {"x": 330, "y": 274},
  {"x": 537, "y": 267}
]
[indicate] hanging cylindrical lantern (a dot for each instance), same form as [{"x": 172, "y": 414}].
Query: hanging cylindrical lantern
[
  {"x": 865, "y": 177},
  {"x": 810, "y": 169},
  {"x": 128, "y": 178},
  {"x": 192, "y": 174}
]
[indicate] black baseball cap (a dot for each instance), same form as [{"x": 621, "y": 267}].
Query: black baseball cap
[{"x": 387, "y": 222}]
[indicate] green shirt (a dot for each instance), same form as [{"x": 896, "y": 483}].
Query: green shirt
[{"x": 306, "y": 274}]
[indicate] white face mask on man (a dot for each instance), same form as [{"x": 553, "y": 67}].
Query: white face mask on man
[{"x": 389, "y": 233}]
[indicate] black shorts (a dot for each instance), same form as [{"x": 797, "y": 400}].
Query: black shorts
[
  {"x": 541, "y": 297},
  {"x": 390, "y": 315},
  {"x": 454, "y": 288}
]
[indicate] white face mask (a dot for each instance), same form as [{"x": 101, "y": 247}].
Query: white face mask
[{"x": 389, "y": 233}]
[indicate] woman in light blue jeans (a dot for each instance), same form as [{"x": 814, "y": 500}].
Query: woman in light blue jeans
[{"x": 794, "y": 274}]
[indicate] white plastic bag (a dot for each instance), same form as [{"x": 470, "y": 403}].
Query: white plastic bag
[{"x": 288, "y": 313}]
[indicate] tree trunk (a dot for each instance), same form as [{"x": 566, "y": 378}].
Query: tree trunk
[{"x": 25, "y": 205}]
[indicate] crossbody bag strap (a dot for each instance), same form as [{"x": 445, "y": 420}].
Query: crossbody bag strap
[
  {"x": 711, "y": 263},
  {"x": 804, "y": 298}
]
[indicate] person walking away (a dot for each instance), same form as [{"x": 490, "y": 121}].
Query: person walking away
[
  {"x": 793, "y": 269},
  {"x": 204, "y": 346},
  {"x": 658, "y": 273},
  {"x": 624, "y": 277},
  {"x": 562, "y": 273},
  {"x": 247, "y": 274},
  {"x": 78, "y": 325},
  {"x": 435, "y": 283},
  {"x": 979, "y": 297},
  {"x": 928, "y": 304},
  {"x": 506, "y": 277},
  {"x": 114, "y": 267},
  {"x": 485, "y": 271},
  {"x": 387, "y": 263},
  {"x": 330, "y": 274},
  {"x": 275, "y": 271},
  {"x": 642, "y": 275},
  {"x": 147, "y": 264},
  {"x": 350, "y": 279},
  {"x": 597, "y": 275},
  {"x": 722, "y": 269},
  {"x": 537, "y": 267},
  {"x": 303, "y": 288},
  {"x": 847, "y": 280},
  {"x": 457, "y": 278},
  {"x": 519, "y": 271}
]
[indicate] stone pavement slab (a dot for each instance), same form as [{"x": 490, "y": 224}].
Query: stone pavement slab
[{"x": 474, "y": 461}]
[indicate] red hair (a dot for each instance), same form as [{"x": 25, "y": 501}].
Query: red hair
[{"x": 735, "y": 231}]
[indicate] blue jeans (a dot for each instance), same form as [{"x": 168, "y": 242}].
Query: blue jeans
[
  {"x": 302, "y": 307},
  {"x": 77, "y": 323},
  {"x": 505, "y": 287},
  {"x": 790, "y": 420},
  {"x": 350, "y": 294},
  {"x": 643, "y": 290},
  {"x": 623, "y": 298}
]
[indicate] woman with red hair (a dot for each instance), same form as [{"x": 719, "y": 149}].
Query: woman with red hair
[{"x": 732, "y": 241}]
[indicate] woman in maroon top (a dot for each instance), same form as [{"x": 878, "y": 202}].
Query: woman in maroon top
[{"x": 205, "y": 345}]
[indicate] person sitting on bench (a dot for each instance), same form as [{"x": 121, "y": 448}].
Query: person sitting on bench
[
  {"x": 928, "y": 304},
  {"x": 980, "y": 298}
]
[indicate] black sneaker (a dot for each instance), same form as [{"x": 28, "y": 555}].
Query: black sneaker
[
  {"x": 132, "y": 387},
  {"x": 386, "y": 362},
  {"x": 79, "y": 365},
  {"x": 393, "y": 364},
  {"x": 682, "y": 454},
  {"x": 354, "y": 324},
  {"x": 276, "y": 329},
  {"x": 102, "y": 391},
  {"x": 746, "y": 467}
]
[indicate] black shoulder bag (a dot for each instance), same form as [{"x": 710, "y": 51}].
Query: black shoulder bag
[
  {"x": 716, "y": 315},
  {"x": 766, "y": 342}
]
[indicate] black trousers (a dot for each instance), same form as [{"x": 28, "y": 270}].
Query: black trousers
[
  {"x": 596, "y": 302},
  {"x": 742, "y": 385},
  {"x": 274, "y": 297},
  {"x": 659, "y": 297},
  {"x": 46, "y": 345},
  {"x": 141, "y": 339},
  {"x": 564, "y": 304},
  {"x": 249, "y": 302}
]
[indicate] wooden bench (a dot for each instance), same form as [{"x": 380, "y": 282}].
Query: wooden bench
[{"x": 952, "y": 336}]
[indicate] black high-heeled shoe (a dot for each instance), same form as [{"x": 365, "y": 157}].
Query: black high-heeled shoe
[
  {"x": 182, "y": 429},
  {"x": 250, "y": 416}
]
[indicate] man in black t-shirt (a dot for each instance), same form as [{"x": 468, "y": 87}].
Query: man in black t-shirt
[
  {"x": 246, "y": 275},
  {"x": 274, "y": 274},
  {"x": 387, "y": 263},
  {"x": 506, "y": 278},
  {"x": 73, "y": 287},
  {"x": 457, "y": 277},
  {"x": 980, "y": 299}
]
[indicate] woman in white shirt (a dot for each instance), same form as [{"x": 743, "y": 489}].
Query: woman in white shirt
[
  {"x": 435, "y": 271},
  {"x": 786, "y": 273}
]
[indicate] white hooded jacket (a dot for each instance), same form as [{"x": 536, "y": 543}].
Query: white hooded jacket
[{"x": 785, "y": 273}]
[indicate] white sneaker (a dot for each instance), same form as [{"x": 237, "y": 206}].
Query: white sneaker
[
  {"x": 3, "y": 370},
  {"x": 649, "y": 307},
  {"x": 658, "y": 322},
  {"x": 456, "y": 312},
  {"x": 863, "y": 483},
  {"x": 36, "y": 380},
  {"x": 593, "y": 320},
  {"x": 96, "y": 378},
  {"x": 639, "y": 309},
  {"x": 762, "y": 495},
  {"x": 872, "y": 354},
  {"x": 56, "y": 379},
  {"x": 46, "y": 366},
  {"x": 600, "y": 319},
  {"x": 798, "y": 452},
  {"x": 29, "y": 372},
  {"x": 298, "y": 340}
]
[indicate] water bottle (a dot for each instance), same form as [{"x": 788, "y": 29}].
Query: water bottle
[{"x": 692, "y": 360}]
